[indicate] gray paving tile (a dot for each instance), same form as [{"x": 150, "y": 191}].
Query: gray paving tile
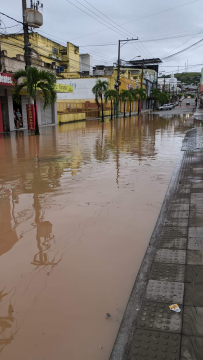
[
  {"x": 176, "y": 244},
  {"x": 170, "y": 256},
  {"x": 173, "y": 214},
  {"x": 181, "y": 207},
  {"x": 149, "y": 345},
  {"x": 194, "y": 273},
  {"x": 157, "y": 316},
  {"x": 165, "y": 291},
  {"x": 195, "y": 232},
  {"x": 174, "y": 232},
  {"x": 193, "y": 294},
  {"x": 196, "y": 218},
  {"x": 176, "y": 222},
  {"x": 195, "y": 243},
  {"x": 193, "y": 321},
  {"x": 191, "y": 348},
  {"x": 196, "y": 198},
  {"x": 168, "y": 272},
  {"x": 194, "y": 257},
  {"x": 197, "y": 185}
]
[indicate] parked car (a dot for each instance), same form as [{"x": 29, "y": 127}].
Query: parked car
[
  {"x": 166, "y": 107},
  {"x": 172, "y": 104},
  {"x": 176, "y": 103}
]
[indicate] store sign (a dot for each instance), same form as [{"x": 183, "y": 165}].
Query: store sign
[
  {"x": 63, "y": 88},
  {"x": 6, "y": 79},
  {"x": 31, "y": 116}
]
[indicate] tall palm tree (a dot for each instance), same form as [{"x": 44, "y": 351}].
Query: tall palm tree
[
  {"x": 130, "y": 99},
  {"x": 124, "y": 98},
  {"x": 99, "y": 90},
  {"x": 34, "y": 80},
  {"x": 142, "y": 96},
  {"x": 113, "y": 96},
  {"x": 135, "y": 95}
]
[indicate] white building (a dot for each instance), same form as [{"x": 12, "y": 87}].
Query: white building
[
  {"x": 170, "y": 83},
  {"x": 86, "y": 64}
]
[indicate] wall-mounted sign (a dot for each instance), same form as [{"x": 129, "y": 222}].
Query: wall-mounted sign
[
  {"x": 6, "y": 79},
  {"x": 30, "y": 116},
  {"x": 64, "y": 88}
]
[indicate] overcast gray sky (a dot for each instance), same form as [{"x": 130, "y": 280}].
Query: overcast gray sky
[{"x": 177, "y": 22}]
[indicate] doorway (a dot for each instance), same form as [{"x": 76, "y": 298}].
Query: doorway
[{"x": 4, "y": 113}]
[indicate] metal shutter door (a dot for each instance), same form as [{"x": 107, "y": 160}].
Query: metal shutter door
[{"x": 46, "y": 114}]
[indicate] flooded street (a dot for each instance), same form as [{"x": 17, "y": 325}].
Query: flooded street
[{"x": 77, "y": 208}]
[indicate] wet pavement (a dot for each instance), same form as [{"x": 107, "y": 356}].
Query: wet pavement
[
  {"x": 175, "y": 270},
  {"x": 77, "y": 208}
]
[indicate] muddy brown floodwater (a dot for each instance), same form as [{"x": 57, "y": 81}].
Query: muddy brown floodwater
[{"x": 77, "y": 208}]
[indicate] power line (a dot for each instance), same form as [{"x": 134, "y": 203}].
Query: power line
[
  {"x": 180, "y": 52},
  {"x": 20, "y": 22}
]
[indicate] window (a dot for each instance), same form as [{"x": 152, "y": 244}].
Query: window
[{"x": 55, "y": 51}]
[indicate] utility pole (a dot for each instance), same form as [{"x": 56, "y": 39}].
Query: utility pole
[
  {"x": 26, "y": 38},
  {"x": 164, "y": 82},
  {"x": 142, "y": 73},
  {"x": 119, "y": 67}
]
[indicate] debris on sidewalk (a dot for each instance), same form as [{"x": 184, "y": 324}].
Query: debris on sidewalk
[{"x": 175, "y": 307}]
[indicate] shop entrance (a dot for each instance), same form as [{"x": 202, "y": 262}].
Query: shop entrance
[{"x": 4, "y": 119}]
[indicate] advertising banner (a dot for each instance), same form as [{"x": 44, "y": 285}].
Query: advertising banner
[{"x": 30, "y": 116}]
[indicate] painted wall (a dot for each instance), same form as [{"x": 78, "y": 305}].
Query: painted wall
[{"x": 82, "y": 89}]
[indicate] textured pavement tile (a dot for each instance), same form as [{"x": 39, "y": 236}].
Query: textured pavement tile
[
  {"x": 165, "y": 291},
  {"x": 149, "y": 345},
  {"x": 197, "y": 185},
  {"x": 176, "y": 222},
  {"x": 194, "y": 257},
  {"x": 195, "y": 232},
  {"x": 197, "y": 207},
  {"x": 194, "y": 273},
  {"x": 195, "y": 244},
  {"x": 193, "y": 321},
  {"x": 170, "y": 256},
  {"x": 174, "y": 233},
  {"x": 176, "y": 244},
  {"x": 181, "y": 207},
  {"x": 158, "y": 316},
  {"x": 191, "y": 348},
  {"x": 193, "y": 294},
  {"x": 174, "y": 214},
  {"x": 168, "y": 272},
  {"x": 196, "y": 218},
  {"x": 196, "y": 198}
]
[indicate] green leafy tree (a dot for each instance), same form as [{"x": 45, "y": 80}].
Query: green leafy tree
[
  {"x": 164, "y": 98},
  {"x": 142, "y": 96},
  {"x": 34, "y": 80},
  {"x": 155, "y": 94},
  {"x": 111, "y": 95},
  {"x": 135, "y": 94},
  {"x": 99, "y": 91},
  {"x": 124, "y": 98}
]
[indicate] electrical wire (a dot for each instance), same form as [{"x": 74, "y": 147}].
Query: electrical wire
[
  {"x": 20, "y": 22},
  {"x": 181, "y": 51}
]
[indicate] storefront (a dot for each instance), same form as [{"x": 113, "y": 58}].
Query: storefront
[{"x": 6, "y": 103}]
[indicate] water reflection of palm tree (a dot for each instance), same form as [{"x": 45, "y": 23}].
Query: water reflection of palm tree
[
  {"x": 43, "y": 230},
  {"x": 6, "y": 323}
]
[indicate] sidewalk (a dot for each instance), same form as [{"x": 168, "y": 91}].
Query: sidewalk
[
  {"x": 198, "y": 114},
  {"x": 171, "y": 273},
  {"x": 134, "y": 113}
]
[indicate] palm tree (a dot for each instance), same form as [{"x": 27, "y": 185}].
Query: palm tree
[
  {"x": 142, "y": 96},
  {"x": 99, "y": 90},
  {"x": 124, "y": 98},
  {"x": 135, "y": 95},
  {"x": 34, "y": 80},
  {"x": 113, "y": 96},
  {"x": 130, "y": 99}
]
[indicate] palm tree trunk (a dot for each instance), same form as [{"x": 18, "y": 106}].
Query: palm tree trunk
[
  {"x": 102, "y": 109},
  {"x": 36, "y": 119},
  {"x": 111, "y": 110},
  {"x": 138, "y": 112},
  {"x": 130, "y": 109},
  {"x": 124, "y": 109}
]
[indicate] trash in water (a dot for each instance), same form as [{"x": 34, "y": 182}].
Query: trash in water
[
  {"x": 175, "y": 308},
  {"x": 108, "y": 316},
  {"x": 100, "y": 346}
]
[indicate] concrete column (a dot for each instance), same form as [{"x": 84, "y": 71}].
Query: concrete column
[
  {"x": 10, "y": 109},
  {"x": 54, "y": 109}
]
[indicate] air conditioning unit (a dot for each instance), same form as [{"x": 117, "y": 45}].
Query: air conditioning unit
[
  {"x": 59, "y": 58},
  {"x": 34, "y": 18},
  {"x": 52, "y": 56}
]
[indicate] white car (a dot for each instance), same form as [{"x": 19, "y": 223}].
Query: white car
[{"x": 166, "y": 107}]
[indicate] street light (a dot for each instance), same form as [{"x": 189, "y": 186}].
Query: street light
[{"x": 135, "y": 57}]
